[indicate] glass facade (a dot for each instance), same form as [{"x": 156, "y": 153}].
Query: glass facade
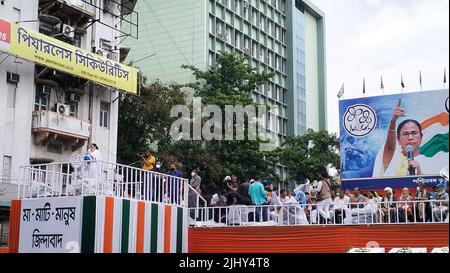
[
  {"x": 283, "y": 37},
  {"x": 299, "y": 73},
  {"x": 255, "y": 29}
]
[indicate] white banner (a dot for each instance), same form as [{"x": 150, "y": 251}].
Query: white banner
[{"x": 50, "y": 225}]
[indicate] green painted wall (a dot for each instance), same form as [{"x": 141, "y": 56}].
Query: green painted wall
[
  {"x": 176, "y": 31},
  {"x": 311, "y": 73}
]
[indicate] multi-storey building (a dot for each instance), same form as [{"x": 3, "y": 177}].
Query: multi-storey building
[
  {"x": 49, "y": 115},
  {"x": 285, "y": 37}
]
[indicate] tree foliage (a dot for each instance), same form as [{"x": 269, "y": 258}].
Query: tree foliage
[
  {"x": 145, "y": 119},
  {"x": 231, "y": 82},
  {"x": 307, "y": 155}
]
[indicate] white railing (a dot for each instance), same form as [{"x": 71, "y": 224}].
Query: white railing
[
  {"x": 197, "y": 204},
  {"x": 399, "y": 212},
  {"x": 81, "y": 178}
]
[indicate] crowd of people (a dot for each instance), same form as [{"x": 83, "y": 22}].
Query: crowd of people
[
  {"x": 171, "y": 193},
  {"x": 315, "y": 202},
  {"x": 320, "y": 203}
]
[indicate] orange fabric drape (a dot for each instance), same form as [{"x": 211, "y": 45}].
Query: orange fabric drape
[
  {"x": 314, "y": 239},
  {"x": 14, "y": 225}
]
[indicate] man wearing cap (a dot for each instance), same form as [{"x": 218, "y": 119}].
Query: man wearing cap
[
  {"x": 440, "y": 210},
  {"x": 388, "y": 213}
]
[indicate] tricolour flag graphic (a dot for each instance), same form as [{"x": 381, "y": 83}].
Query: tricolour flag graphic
[
  {"x": 435, "y": 135},
  {"x": 131, "y": 226}
]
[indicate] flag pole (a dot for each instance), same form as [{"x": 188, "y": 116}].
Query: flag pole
[
  {"x": 341, "y": 92},
  {"x": 402, "y": 83},
  {"x": 364, "y": 87},
  {"x": 445, "y": 78},
  {"x": 420, "y": 80}
]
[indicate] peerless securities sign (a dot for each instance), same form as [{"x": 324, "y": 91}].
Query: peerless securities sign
[
  {"x": 50, "y": 52},
  {"x": 50, "y": 225}
]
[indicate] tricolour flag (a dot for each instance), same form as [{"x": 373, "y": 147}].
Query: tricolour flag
[{"x": 382, "y": 85}]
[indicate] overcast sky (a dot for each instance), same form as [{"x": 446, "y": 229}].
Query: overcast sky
[{"x": 370, "y": 38}]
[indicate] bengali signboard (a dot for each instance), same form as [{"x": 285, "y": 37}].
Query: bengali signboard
[
  {"x": 394, "y": 139},
  {"x": 50, "y": 52},
  {"x": 50, "y": 225}
]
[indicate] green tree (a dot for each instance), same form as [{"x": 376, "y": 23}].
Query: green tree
[
  {"x": 145, "y": 119},
  {"x": 307, "y": 155},
  {"x": 230, "y": 82}
]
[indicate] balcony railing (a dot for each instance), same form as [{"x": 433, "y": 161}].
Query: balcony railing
[
  {"x": 48, "y": 124},
  {"x": 101, "y": 178}
]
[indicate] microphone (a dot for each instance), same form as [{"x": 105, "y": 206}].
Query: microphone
[{"x": 410, "y": 152}]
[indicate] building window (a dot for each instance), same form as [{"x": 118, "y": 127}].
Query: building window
[
  {"x": 246, "y": 43},
  {"x": 254, "y": 17},
  {"x": 261, "y": 23},
  {"x": 261, "y": 54},
  {"x": 104, "y": 114},
  {"x": 11, "y": 100},
  {"x": 237, "y": 40},
  {"x": 269, "y": 59},
  {"x": 237, "y": 6},
  {"x": 6, "y": 167},
  {"x": 254, "y": 49},
  {"x": 211, "y": 59},
  {"x": 40, "y": 102},
  {"x": 228, "y": 34},
  {"x": 211, "y": 25}
]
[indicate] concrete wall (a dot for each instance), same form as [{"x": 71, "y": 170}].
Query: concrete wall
[{"x": 16, "y": 139}]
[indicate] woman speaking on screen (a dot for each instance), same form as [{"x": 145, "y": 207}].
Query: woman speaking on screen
[{"x": 404, "y": 158}]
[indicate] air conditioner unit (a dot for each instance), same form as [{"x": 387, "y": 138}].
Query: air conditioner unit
[
  {"x": 112, "y": 56},
  {"x": 74, "y": 97},
  {"x": 62, "y": 109},
  {"x": 105, "y": 44},
  {"x": 101, "y": 52},
  {"x": 247, "y": 50},
  {"x": 43, "y": 89},
  {"x": 12, "y": 77},
  {"x": 68, "y": 31}
]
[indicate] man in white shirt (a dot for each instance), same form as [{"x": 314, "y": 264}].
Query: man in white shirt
[{"x": 340, "y": 207}]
